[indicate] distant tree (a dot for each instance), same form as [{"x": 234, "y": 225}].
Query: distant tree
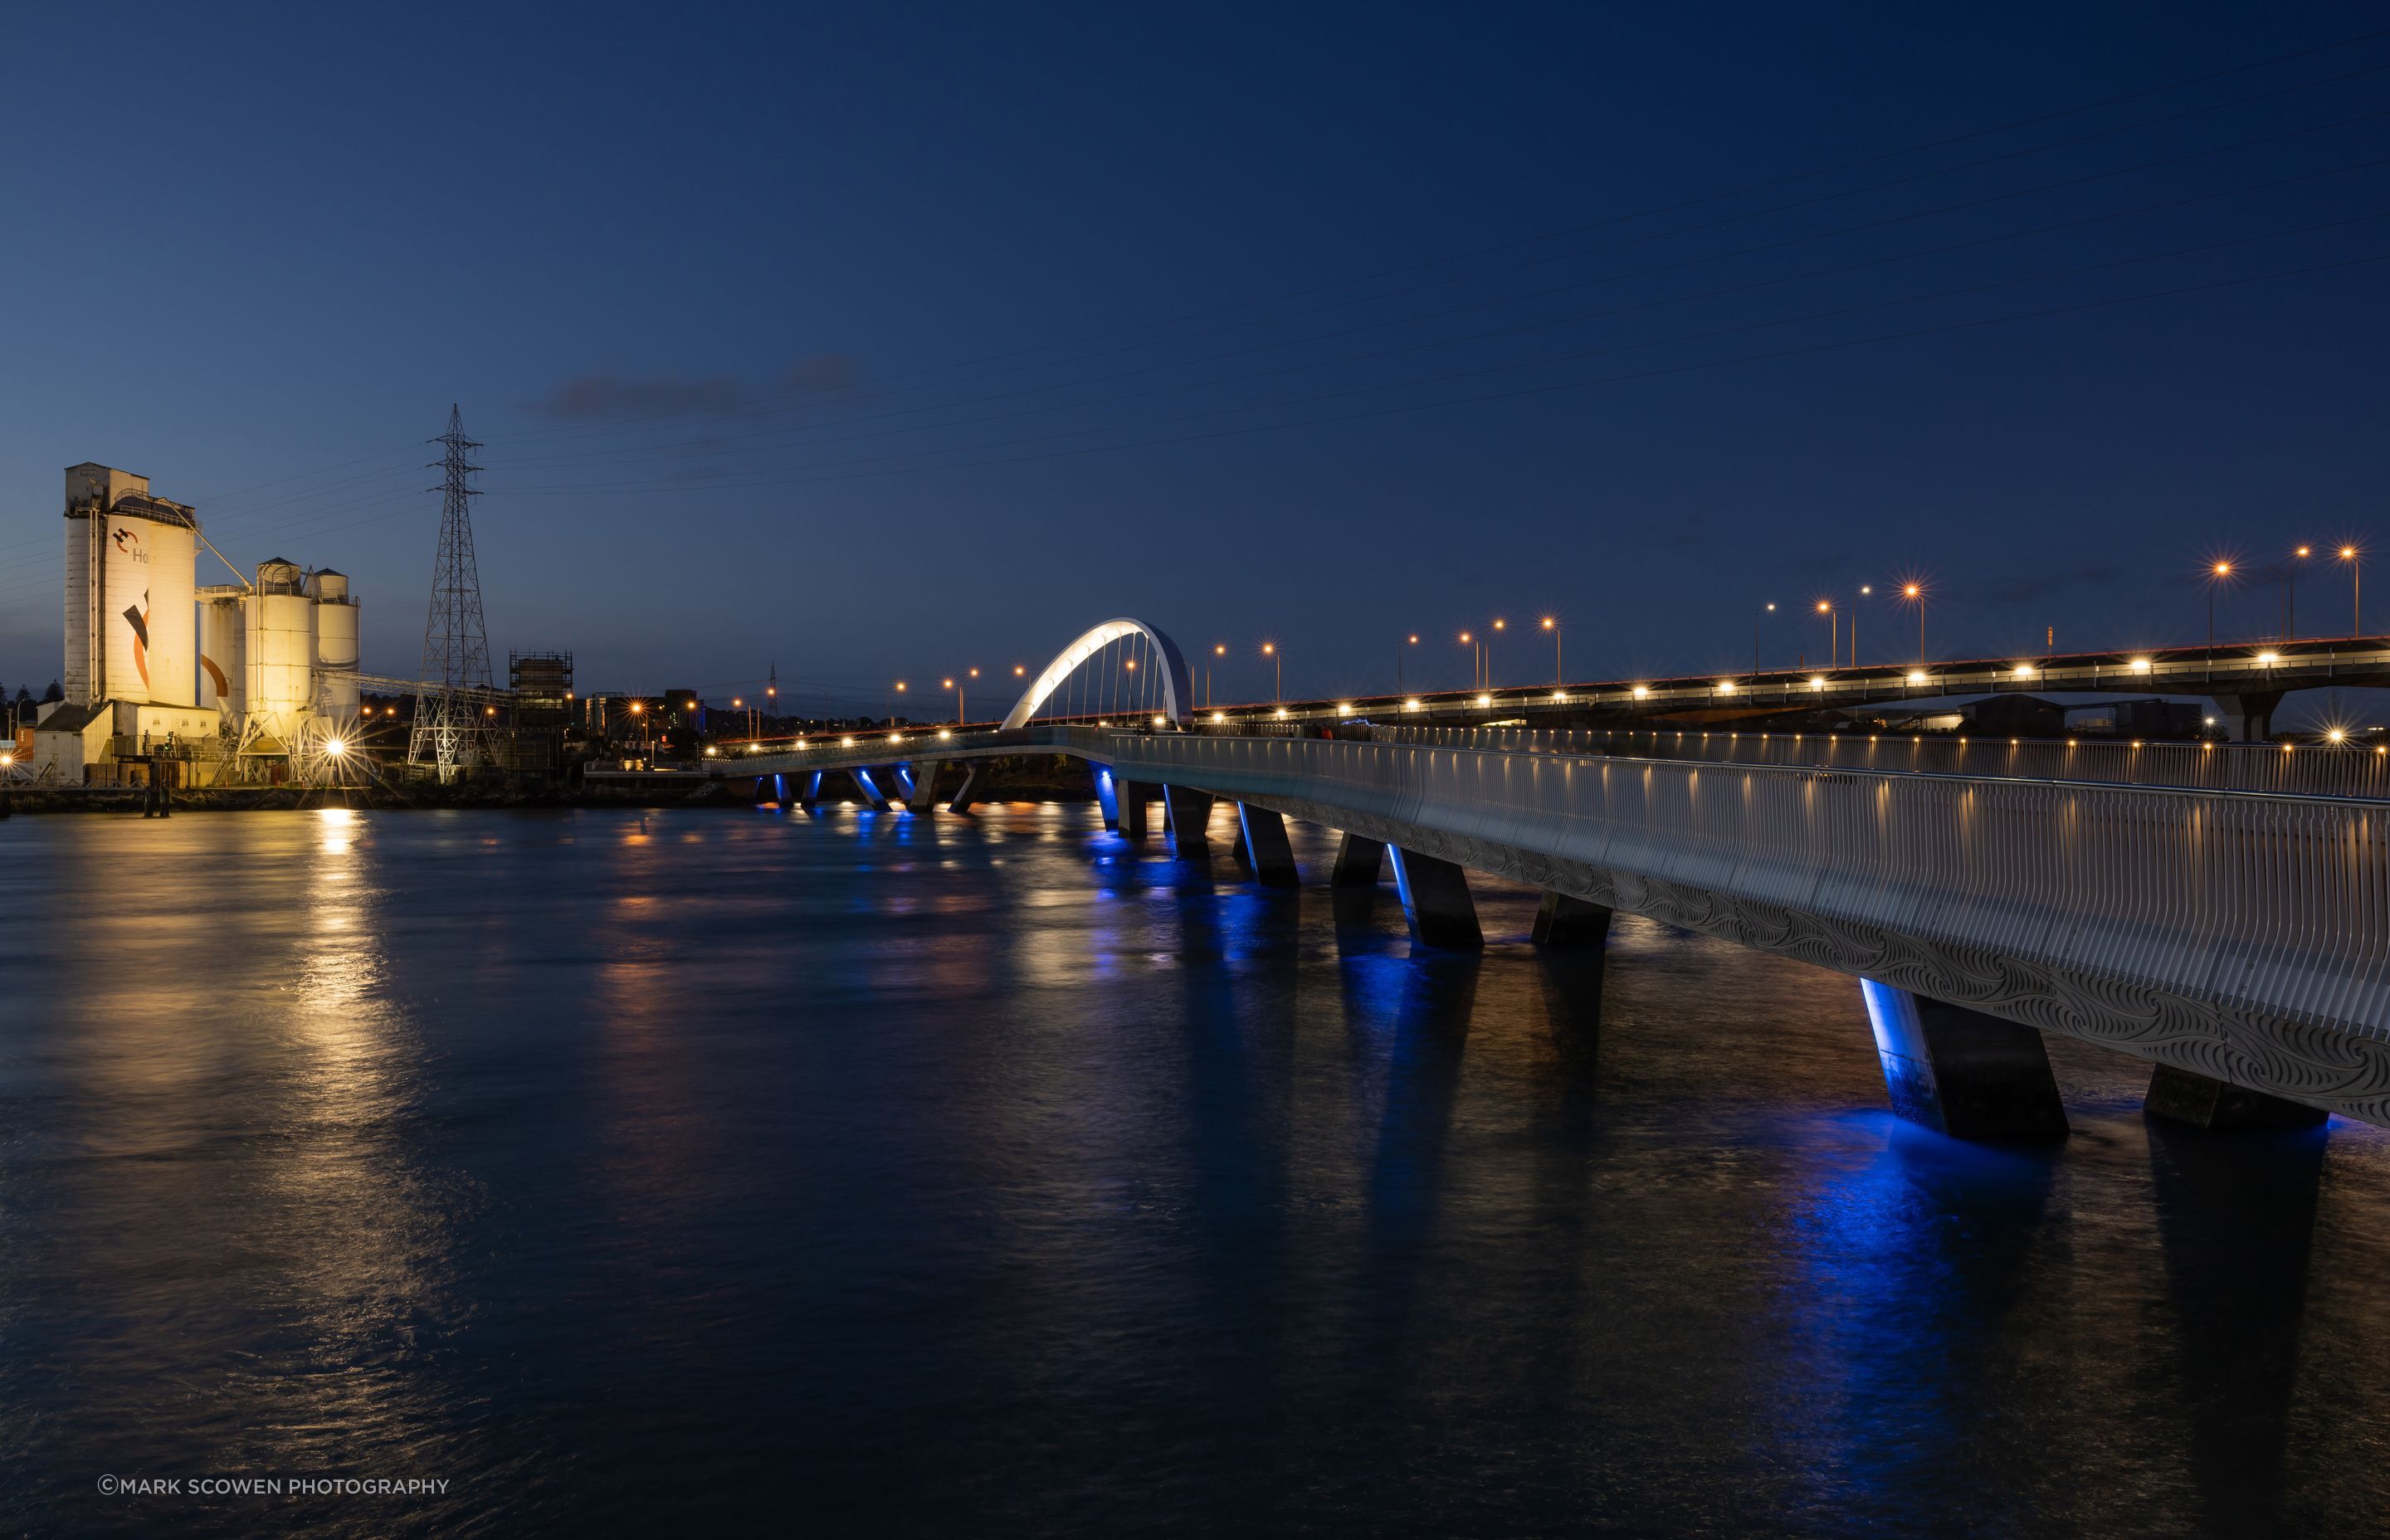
[{"x": 56, "y": 692}]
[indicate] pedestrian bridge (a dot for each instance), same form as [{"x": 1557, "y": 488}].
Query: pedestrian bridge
[{"x": 2239, "y": 939}]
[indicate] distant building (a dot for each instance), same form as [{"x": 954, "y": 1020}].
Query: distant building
[{"x": 2145, "y": 718}]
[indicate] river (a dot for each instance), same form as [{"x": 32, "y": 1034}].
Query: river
[{"x": 665, "y": 1172}]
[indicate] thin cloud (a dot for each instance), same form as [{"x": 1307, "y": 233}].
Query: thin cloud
[{"x": 603, "y": 396}]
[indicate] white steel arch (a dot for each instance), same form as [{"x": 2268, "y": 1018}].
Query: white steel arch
[{"x": 1177, "y": 698}]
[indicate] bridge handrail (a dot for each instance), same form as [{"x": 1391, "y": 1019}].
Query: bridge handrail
[{"x": 2259, "y": 904}]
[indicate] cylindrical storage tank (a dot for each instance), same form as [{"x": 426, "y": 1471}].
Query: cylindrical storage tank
[
  {"x": 336, "y": 642},
  {"x": 224, "y": 652},
  {"x": 80, "y": 597},
  {"x": 281, "y": 652},
  {"x": 145, "y": 613}
]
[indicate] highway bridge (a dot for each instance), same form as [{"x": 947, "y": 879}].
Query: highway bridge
[{"x": 2221, "y": 910}]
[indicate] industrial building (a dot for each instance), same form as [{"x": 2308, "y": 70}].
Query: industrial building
[{"x": 235, "y": 681}]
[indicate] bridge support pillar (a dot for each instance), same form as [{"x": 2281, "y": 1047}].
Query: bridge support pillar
[
  {"x": 1962, "y": 1072},
  {"x": 869, "y": 786},
  {"x": 1358, "y": 862},
  {"x": 1131, "y": 796},
  {"x": 1562, "y": 920},
  {"x": 767, "y": 790},
  {"x": 924, "y": 776},
  {"x": 810, "y": 798},
  {"x": 1435, "y": 900},
  {"x": 2249, "y": 715},
  {"x": 2219, "y": 1107},
  {"x": 974, "y": 783},
  {"x": 1189, "y": 813},
  {"x": 1261, "y": 834},
  {"x": 1107, "y": 796}
]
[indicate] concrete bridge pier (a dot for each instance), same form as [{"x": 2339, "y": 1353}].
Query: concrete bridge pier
[
  {"x": 810, "y": 797},
  {"x": 1131, "y": 797},
  {"x": 1436, "y": 901},
  {"x": 922, "y": 786},
  {"x": 975, "y": 777},
  {"x": 1188, "y": 814},
  {"x": 1358, "y": 862},
  {"x": 1261, "y": 835},
  {"x": 1562, "y": 920},
  {"x": 867, "y": 785},
  {"x": 2193, "y": 1100},
  {"x": 1961, "y": 1072},
  {"x": 2249, "y": 715}
]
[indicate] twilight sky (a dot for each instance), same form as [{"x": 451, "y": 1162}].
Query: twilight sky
[{"x": 881, "y": 341}]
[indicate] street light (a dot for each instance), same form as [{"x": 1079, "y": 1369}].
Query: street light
[
  {"x": 2351, "y": 555},
  {"x": 1865, "y": 589},
  {"x": 1554, "y": 627},
  {"x": 1489, "y": 656},
  {"x": 1476, "y": 660},
  {"x": 2218, "y": 575},
  {"x": 1914, "y": 593},
  {"x": 1412, "y": 641},
  {"x": 1277, "y": 666},
  {"x": 1833, "y": 632},
  {"x": 2290, "y": 591},
  {"x": 1219, "y": 649},
  {"x": 1757, "y": 616}
]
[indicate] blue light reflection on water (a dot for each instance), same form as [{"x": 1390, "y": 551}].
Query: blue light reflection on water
[{"x": 873, "y": 1172}]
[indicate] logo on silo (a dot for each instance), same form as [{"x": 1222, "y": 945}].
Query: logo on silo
[
  {"x": 128, "y": 540},
  {"x": 137, "y": 617}
]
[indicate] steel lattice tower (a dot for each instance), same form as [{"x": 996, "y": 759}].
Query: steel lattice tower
[{"x": 448, "y": 730}]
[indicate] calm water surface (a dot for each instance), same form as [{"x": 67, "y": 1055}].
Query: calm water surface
[{"x": 637, "y": 1173}]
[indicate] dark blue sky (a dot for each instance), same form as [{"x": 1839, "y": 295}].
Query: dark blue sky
[{"x": 884, "y": 341}]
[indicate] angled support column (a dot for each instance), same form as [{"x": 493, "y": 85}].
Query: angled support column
[
  {"x": 2251, "y": 716},
  {"x": 1562, "y": 920},
  {"x": 1264, "y": 851},
  {"x": 1358, "y": 862},
  {"x": 2195, "y": 1101},
  {"x": 923, "y": 787},
  {"x": 1962, "y": 1072},
  {"x": 810, "y": 798},
  {"x": 1435, "y": 900},
  {"x": 1107, "y": 796},
  {"x": 975, "y": 777},
  {"x": 1189, "y": 813},
  {"x": 1131, "y": 796},
  {"x": 868, "y": 787}
]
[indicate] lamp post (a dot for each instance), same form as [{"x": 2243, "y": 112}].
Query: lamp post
[
  {"x": 2290, "y": 591},
  {"x": 1833, "y": 632},
  {"x": 1865, "y": 589},
  {"x": 1489, "y": 655},
  {"x": 2354, "y": 557},
  {"x": 1476, "y": 660},
  {"x": 1915, "y": 594},
  {"x": 1553, "y": 626},
  {"x": 1219, "y": 649},
  {"x": 1413, "y": 641},
  {"x": 2216, "y": 579},
  {"x": 1757, "y": 616},
  {"x": 892, "y": 703},
  {"x": 1277, "y": 666}
]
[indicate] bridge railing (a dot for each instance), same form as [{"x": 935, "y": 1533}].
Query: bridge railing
[
  {"x": 2268, "y": 904},
  {"x": 2307, "y": 771}
]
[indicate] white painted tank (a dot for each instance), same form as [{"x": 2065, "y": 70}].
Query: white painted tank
[
  {"x": 335, "y": 617},
  {"x": 224, "y": 652},
  {"x": 77, "y": 678},
  {"x": 281, "y": 652},
  {"x": 131, "y": 616}
]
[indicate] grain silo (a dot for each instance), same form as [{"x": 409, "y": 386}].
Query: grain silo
[
  {"x": 334, "y": 614},
  {"x": 224, "y": 651},
  {"x": 130, "y": 615},
  {"x": 281, "y": 656}
]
